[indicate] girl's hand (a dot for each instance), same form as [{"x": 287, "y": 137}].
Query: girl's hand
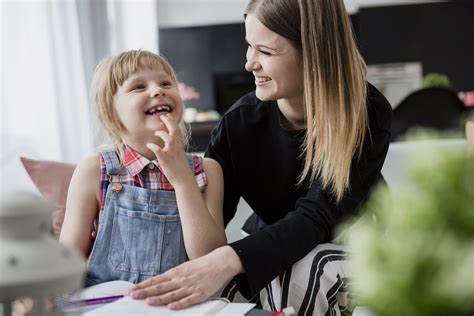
[
  {"x": 171, "y": 156},
  {"x": 192, "y": 282}
]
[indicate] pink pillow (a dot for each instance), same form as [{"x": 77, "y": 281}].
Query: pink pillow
[{"x": 52, "y": 180}]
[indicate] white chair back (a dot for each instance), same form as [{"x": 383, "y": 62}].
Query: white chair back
[{"x": 396, "y": 167}]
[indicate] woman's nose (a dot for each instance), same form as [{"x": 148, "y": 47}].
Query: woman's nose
[
  {"x": 251, "y": 63},
  {"x": 248, "y": 65}
]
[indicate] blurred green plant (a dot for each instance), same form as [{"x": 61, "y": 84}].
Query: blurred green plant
[
  {"x": 414, "y": 254},
  {"x": 434, "y": 79}
]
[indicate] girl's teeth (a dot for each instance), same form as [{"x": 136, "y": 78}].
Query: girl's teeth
[{"x": 159, "y": 109}]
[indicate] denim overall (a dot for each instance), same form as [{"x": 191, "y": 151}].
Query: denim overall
[{"x": 139, "y": 233}]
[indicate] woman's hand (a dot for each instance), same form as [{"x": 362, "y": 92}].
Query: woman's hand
[
  {"x": 192, "y": 282},
  {"x": 171, "y": 156}
]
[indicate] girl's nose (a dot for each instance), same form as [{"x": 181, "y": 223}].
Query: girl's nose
[{"x": 157, "y": 91}]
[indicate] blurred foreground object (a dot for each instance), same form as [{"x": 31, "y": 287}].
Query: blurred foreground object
[
  {"x": 470, "y": 136},
  {"x": 414, "y": 254},
  {"x": 33, "y": 263}
]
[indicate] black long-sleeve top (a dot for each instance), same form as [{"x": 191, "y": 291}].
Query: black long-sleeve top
[{"x": 262, "y": 160}]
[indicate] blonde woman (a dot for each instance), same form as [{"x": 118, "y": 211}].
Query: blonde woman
[{"x": 304, "y": 150}]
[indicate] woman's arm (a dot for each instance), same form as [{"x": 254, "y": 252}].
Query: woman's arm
[
  {"x": 192, "y": 282},
  {"x": 201, "y": 220},
  {"x": 82, "y": 205}
]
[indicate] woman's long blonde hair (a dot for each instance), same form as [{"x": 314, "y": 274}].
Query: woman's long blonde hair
[{"x": 335, "y": 89}]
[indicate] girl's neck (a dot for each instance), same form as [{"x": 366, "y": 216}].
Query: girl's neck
[
  {"x": 293, "y": 113},
  {"x": 140, "y": 147}
]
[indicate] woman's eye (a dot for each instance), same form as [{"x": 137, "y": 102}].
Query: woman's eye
[{"x": 265, "y": 53}]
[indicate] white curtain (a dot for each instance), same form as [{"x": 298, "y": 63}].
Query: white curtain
[
  {"x": 48, "y": 51},
  {"x": 44, "y": 99}
]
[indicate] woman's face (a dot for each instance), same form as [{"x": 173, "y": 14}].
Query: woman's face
[{"x": 275, "y": 63}]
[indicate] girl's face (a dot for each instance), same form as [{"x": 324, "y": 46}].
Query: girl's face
[
  {"x": 275, "y": 63},
  {"x": 142, "y": 99}
]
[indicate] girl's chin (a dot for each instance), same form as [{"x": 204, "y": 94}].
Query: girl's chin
[
  {"x": 156, "y": 117},
  {"x": 156, "y": 125}
]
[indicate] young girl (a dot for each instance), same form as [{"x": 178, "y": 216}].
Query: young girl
[{"x": 156, "y": 206}]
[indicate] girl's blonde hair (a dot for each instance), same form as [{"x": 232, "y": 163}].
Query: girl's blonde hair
[
  {"x": 110, "y": 74},
  {"x": 335, "y": 89}
]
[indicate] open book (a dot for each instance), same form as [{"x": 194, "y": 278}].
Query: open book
[{"x": 129, "y": 306}]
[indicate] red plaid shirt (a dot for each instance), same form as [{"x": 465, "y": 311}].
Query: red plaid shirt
[{"x": 144, "y": 173}]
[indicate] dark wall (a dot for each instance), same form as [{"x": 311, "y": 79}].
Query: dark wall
[
  {"x": 199, "y": 53},
  {"x": 440, "y": 35}
]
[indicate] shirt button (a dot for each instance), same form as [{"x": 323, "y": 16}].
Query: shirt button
[{"x": 151, "y": 166}]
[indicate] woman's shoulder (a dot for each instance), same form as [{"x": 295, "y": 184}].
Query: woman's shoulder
[
  {"x": 248, "y": 99},
  {"x": 379, "y": 109},
  {"x": 247, "y": 103},
  {"x": 248, "y": 112}
]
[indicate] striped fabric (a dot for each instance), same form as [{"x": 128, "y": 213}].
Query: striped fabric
[
  {"x": 314, "y": 286},
  {"x": 144, "y": 173},
  {"x": 317, "y": 285}
]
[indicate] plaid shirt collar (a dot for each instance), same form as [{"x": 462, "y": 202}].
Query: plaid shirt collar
[{"x": 134, "y": 162}]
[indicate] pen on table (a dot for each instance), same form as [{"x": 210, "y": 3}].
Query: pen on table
[{"x": 97, "y": 300}]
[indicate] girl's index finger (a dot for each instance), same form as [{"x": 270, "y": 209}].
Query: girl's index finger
[{"x": 170, "y": 124}]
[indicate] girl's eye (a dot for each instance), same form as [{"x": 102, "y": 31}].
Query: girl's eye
[
  {"x": 138, "y": 87},
  {"x": 166, "y": 83}
]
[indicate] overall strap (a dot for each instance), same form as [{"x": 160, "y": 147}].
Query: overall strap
[
  {"x": 191, "y": 162},
  {"x": 112, "y": 163}
]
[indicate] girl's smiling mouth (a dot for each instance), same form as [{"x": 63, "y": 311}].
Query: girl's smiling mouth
[{"x": 159, "y": 109}]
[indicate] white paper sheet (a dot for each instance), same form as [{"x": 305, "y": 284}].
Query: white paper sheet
[{"x": 129, "y": 306}]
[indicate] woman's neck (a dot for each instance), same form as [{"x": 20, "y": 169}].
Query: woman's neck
[{"x": 293, "y": 113}]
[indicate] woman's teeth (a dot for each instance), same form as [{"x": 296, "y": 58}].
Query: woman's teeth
[{"x": 262, "y": 79}]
